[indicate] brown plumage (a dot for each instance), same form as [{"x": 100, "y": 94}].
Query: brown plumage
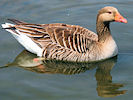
[{"x": 70, "y": 42}]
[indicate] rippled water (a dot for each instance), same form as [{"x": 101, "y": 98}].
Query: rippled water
[{"x": 21, "y": 78}]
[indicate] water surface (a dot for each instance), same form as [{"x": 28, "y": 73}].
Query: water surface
[{"x": 52, "y": 80}]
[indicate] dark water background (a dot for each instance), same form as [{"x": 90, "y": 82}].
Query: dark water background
[{"x": 25, "y": 80}]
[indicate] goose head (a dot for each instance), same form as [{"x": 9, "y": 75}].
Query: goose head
[{"x": 110, "y": 14}]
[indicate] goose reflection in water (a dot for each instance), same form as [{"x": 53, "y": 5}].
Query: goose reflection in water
[{"x": 105, "y": 86}]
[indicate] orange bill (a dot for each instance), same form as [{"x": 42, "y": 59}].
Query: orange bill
[{"x": 120, "y": 18}]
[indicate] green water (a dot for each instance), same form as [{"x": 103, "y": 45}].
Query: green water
[{"x": 24, "y": 79}]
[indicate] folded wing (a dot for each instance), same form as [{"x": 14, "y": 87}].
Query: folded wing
[{"x": 56, "y": 40}]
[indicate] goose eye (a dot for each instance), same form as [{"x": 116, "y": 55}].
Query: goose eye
[{"x": 110, "y": 12}]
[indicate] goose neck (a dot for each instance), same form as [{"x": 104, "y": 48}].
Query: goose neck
[{"x": 103, "y": 30}]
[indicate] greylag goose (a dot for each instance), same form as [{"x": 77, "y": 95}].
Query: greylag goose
[{"x": 69, "y": 42}]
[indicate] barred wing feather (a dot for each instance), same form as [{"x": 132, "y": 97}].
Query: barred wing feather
[{"x": 58, "y": 41}]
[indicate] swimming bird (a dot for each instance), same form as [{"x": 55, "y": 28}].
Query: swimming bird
[{"x": 69, "y": 42}]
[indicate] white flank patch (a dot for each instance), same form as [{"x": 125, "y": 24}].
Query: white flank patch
[{"x": 24, "y": 40}]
